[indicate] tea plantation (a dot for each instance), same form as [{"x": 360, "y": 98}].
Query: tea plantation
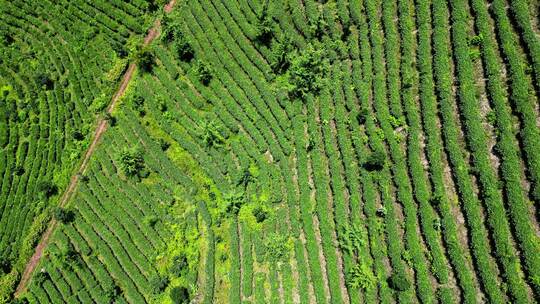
[{"x": 270, "y": 151}]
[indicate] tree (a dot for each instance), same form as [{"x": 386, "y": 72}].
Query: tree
[
  {"x": 158, "y": 284},
  {"x": 151, "y": 220},
  {"x": 154, "y": 5},
  {"x": 110, "y": 119},
  {"x": 307, "y": 72},
  {"x": 169, "y": 29},
  {"x": 77, "y": 135},
  {"x": 265, "y": 31},
  {"x": 18, "y": 170},
  {"x": 375, "y": 161},
  {"x": 83, "y": 178},
  {"x": 120, "y": 49},
  {"x": 362, "y": 116},
  {"x": 63, "y": 215},
  {"x": 131, "y": 162},
  {"x": 111, "y": 292},
  {"x": 145, "y": 59},
  {"x": 137, "y": 104},
  {"x": 67, "y": 256},
  {"x": 5, "y": 266},
  {"x": 20, "y": 301},
  {"x": 179, "y": 265},
  {"x": 164, "y": 144},
  {"x": 41, "y": 277},
  {"x": 211, "y": 135},
  {"x": 47, "y": 189},
  {"x": 183, "y": 49},
  {"x": 260, "y": 214},
  {"x": 44, "y": 81},
  {"x": 180, "y": 295},
  {"x": 203, "y": 72},
  {"x": 234, "y": 200},
  {"x": 381, "y": 211},
  {"x": 281, "y": 55},
  {"x": 319, "y": 27},
  {"x": 245, "y": 178},
  {"x": 399, "y": 281}
]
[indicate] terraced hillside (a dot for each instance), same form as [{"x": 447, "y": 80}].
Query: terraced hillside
[
  {"x": 299, "y": 151},
  {"x": 60, "y": 63}
]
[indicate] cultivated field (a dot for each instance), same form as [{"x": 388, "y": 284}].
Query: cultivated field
[{"x": 270, "y": 151}]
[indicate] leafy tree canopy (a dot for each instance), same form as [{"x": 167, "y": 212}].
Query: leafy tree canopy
[
  {"x": 180, "y": 295},
  {"x": 131, "y": 162},
  {"x": 307, "y": 72},
  {"x": 63, "y": 215}
]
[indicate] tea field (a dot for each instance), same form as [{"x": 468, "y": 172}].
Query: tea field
[{"x": 270, "y": 151}]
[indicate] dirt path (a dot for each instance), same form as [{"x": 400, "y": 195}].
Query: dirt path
[{"x": 100, "y": 129}]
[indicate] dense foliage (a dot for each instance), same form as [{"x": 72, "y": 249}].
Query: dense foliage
[{"x": 271, "y": 151}]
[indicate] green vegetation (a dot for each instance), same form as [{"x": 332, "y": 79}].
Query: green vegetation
[{"x": 345, "y": 151}]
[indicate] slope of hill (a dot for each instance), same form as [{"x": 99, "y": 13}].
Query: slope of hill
[{"x": 347, "y": 151}]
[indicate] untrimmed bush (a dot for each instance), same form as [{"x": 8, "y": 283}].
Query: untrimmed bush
[
  {"x": 399, "y": 281},
  {"x": 63, "y": 215},
  {"x": 131, "y": 162},
  {"x": 180, "y": 295},
  {"x": 375, "y": 161},
  {"x": 47, "y": 189}
]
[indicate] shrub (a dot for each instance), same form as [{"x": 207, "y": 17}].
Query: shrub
[
  {"x": 203, "y": 72},
  {"x": 211, "y": 135},
  {"x": 131, "y": 162},
  {"x": 77, "y": 135},
  {"x": 47, "y": 189},
  {"x": 399, "y": 281},
  {"x": 476, "y": 40},
  {"x": 180, "y": 295},
  {"x": 361, "y": 277},
  {"x": 145, "y": 59},
  {"x": 307, "y": 72},
  {"x": 276, "y": 246},
  {"x": 158, "y": 284},
  {"x": 179, "y": 265},
  {"x": 111, "y": 292},
  {"x": 183, "y": 49},
  {"x": 63, "y": 215},
  {"x": 376, "y": 161},
  {"x": 260, "y": 214},
  {"x": 234, "y": 201}
]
